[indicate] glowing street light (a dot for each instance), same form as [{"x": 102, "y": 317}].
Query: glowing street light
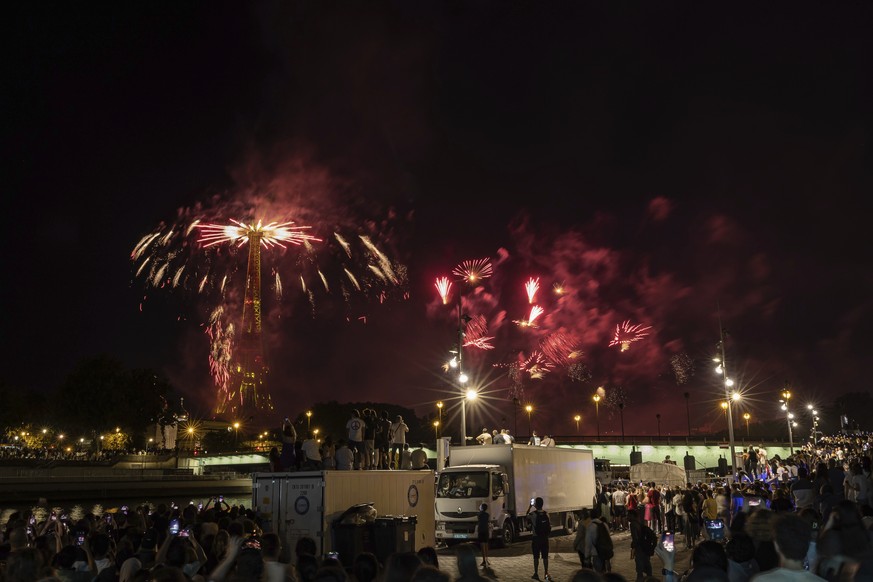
[
  {"x": 746, "y": 417},
  {"x": 577, "y": 418},
  {"x": 529, "y": 410},
  {"x": 736, "y": 396},
  {"x": 308, "y": 419},
  {"x": 436, "y": 429},
  {"x": 596, "y": 399},
  {"x": 471, "y": 395}
]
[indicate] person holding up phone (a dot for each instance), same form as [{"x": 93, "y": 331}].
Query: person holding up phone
[{"x": 666, "y": 551}]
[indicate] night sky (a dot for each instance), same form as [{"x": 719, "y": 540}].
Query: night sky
[{"x": 665, "y": 165}]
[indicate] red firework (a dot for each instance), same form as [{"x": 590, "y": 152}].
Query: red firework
[
  {"x": 531, "y": 287},
  {"x": 443, "y": 287},
  {"x": 626, "y": 334},
  {"x": 475, "y": 335},
  {"x": 474, "y": 270}
]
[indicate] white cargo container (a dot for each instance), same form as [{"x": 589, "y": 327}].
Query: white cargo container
[
  {"x": 307, "y": 503},
  {"x": 507, "y": 478}
]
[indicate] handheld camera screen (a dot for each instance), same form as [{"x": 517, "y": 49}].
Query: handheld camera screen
[
  {"x": 715, "y": 529},
  {"x": 174, "y": 527},
  {"x": 667, "y": 541}
]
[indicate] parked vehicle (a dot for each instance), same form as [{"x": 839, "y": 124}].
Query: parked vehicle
[
  {"x": 508, "y": 478},
  {"x": 307, "y": 503}
]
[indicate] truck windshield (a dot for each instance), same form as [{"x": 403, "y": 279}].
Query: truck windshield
[{"x": 463, "y": 485}]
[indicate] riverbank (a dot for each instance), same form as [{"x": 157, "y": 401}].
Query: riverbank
[{"x": 27, "y": 485}]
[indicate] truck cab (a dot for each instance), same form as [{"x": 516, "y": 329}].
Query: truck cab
[{"x": 460, "y": 492}]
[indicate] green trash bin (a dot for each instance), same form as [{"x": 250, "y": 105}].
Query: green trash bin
[{"x": 393, "y": 534}]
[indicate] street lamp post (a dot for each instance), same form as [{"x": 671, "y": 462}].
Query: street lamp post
[
  {"x": 786, "y": 399},
  {"x": 236, "y": 434},
  {"x": 722, "y": 367},
  {"x": 577, "y": 418},
  {"x": 470, "y": 395},
  {"x": 746, "y": 417},
  {"x": 440, "y": 411},
  {"x": 724, "y": 408},
  {"x": 308, "y": 420},
  {"x": 688, "y": 411},
  {"x": 814, "y": 415},
  {"x": 436, "y": 429},
  {"x": 597, "y": 413},
  {"x": 529, "y": 410}
]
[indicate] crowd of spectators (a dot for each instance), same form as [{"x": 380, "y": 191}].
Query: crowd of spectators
[
  {"x": 71, "y": 453},
  {"x": 820, "y": 497},
  {"x": 810, "y": 525}
]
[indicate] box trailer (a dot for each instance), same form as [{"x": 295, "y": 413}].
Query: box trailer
[
  {"x": 307, "y": 503},
  {"x": 508, "y": 478}
]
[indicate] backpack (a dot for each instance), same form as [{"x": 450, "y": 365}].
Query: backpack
[
  {"x": 648, "y": 540},
  {"x": 542, "y": 526},
  {"x": 603, "y": 543}
]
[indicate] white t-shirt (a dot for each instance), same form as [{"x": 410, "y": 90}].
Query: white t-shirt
[
  {"x": 344, "y": 458},
  {"x": 356, "y": 429},
  {"x": 619, "y": 498},
  {"x": 399, "y": 429},
  {"x": 310, "y": 449}
]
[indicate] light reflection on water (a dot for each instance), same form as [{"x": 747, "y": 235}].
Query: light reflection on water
[{"x": 76, "y": 510}]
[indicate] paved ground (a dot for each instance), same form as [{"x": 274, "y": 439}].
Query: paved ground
[{"x": 515, "y": 563}]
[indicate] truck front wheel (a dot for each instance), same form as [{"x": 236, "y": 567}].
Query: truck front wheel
[
  {"x": 508, "y": 534},
  {"x": 570, "y": 523}
]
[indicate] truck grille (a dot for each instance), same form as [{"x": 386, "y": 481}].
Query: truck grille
[{"x": 456, "y": 515}]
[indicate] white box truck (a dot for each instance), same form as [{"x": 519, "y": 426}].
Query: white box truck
[
  {"x": 307, "y": 503},
  {"x": 507, "y": 478}
]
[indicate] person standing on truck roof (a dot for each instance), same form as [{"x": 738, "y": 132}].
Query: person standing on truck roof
[
  {"x": 508, "y": 438},
  {"x": 355, "y": 426},
  {"x": 547, "y": 441},
  {"x": 398, "y": 439},
  {"x": 485, "y": 438},
  {"x": 534, "y": 440},
  {"x": 541, "y": 526},
  {"x": 499, "y": 438}
]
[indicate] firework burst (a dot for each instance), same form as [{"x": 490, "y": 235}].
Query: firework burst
[
  {"x": 683, "y": 367},
  {"x": 579, "y": 372},
  {"x": 476, "y": 334},
  {"x": 626, "y": 334},
  {"x": 240, "y": 233},
  {"x": 474, "y": 270},
  {"x": 443, "y": 287},
  {"x": 535, "y": 312},
  {"x": 202, "y": 253},
  {"x": 531, "y": 288},
  {"x": 560, "y": 348}
]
